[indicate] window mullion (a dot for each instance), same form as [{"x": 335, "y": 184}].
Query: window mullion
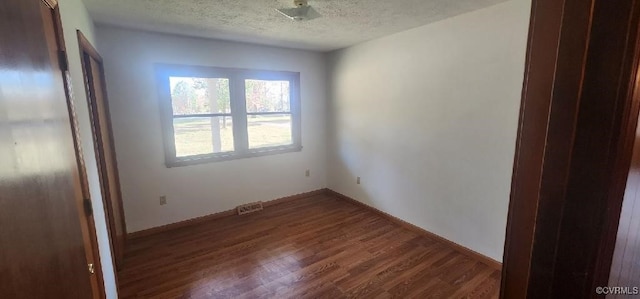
[{"x": 239, "y": 112}]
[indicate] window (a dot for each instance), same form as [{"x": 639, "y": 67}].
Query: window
[{"x": 213, "y": 114}]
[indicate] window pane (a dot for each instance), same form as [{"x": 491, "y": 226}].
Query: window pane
[
  {"x": 199, "y": 95},
  {"x": 203, "y": 135},
  {"x": 269, "y": 130},
  {"x": 267, "y": 96}
]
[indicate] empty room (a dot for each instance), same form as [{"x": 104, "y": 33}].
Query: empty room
[{"x": 319, "y": 149}]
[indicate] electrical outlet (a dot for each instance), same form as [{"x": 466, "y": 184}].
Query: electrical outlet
[
  {"x": 358, "y": 180},
  {"x": 307, "y": 173},
  {"x": 163, "y": 200}
]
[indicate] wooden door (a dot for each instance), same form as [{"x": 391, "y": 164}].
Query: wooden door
[
  {"x": 578, "y": 116},
  {"x": 104, "y": 145},
  {"x": 48, "y": 248}
]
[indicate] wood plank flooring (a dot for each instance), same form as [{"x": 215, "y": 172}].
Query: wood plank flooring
[{"x": 318, "y": 247}]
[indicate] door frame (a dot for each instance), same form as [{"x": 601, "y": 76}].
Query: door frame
[
  {"x": 85, "y": 209},
  {"x": 88, "y": 51},
  {"x": 578, "y": 116}
]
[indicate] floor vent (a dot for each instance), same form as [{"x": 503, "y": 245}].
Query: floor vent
[{"x": 249, "y": 208}]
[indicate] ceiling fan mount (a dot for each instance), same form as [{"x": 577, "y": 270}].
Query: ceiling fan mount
[{"x": 301, "y": 12}]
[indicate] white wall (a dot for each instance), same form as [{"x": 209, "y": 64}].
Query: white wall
[
  {"x": 428, "y": 119},
  {"x": 74, "y": 16},
  {"x": 199, "y": 190}
]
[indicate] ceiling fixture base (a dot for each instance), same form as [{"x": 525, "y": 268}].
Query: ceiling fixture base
[{"x": 301, "y": 12}]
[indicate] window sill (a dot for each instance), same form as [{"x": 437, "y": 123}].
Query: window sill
[{"x": 220, "y": 157}]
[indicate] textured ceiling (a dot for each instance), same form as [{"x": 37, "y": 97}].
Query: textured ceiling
[{"x": 343, "y": 23}]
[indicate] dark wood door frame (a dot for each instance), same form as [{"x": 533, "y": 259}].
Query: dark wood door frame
[
  {"x": 88, "y": 227},
  {"x": 88, "y": 52},
  {"x": 577, "y": 126},
  {"x": 84, "y": 206}
]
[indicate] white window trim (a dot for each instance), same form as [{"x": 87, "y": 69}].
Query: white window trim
[{"x": 239, "y": 113}]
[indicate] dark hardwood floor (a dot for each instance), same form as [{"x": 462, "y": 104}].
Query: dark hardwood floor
[{"x": 318, "y": 247}]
